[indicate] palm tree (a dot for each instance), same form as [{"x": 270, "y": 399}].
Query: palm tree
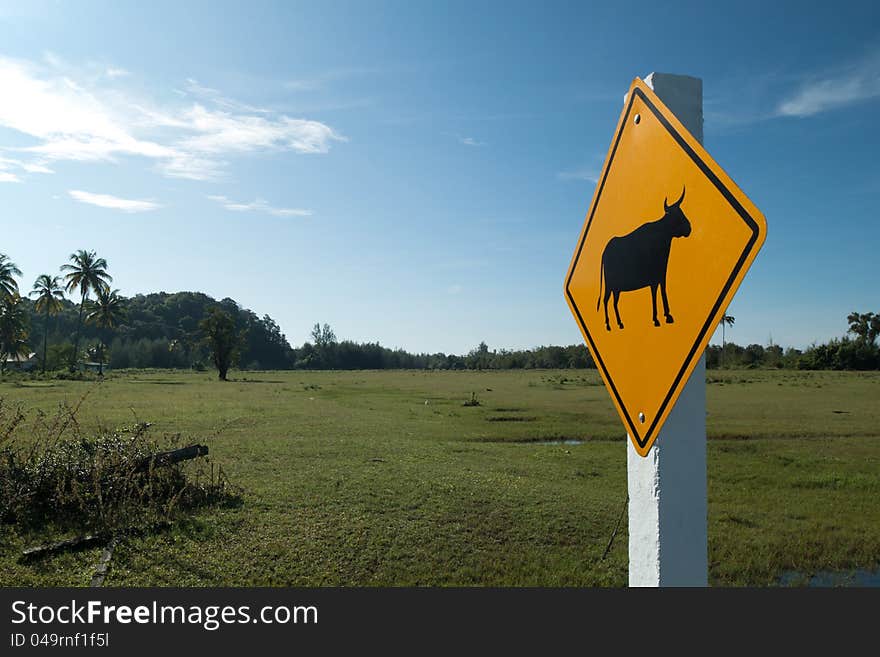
[
  {"x": 726, "y": 320},
  {"x": 87, "y": 273},
  {"x": 106, "y": 312},
  {"x": 8, "y": 271},
  {"x": 13, "y": 328},
  {"x": 49, "y": 294}
]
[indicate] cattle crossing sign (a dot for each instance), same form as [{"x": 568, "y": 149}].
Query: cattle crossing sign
[{"x": 666, "y": 243}]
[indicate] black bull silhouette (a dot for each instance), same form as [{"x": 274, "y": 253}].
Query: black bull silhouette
[{"x": 640, "y": 259}]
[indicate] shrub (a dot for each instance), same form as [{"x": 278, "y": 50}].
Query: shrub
[{"x": 54, "y": 476}]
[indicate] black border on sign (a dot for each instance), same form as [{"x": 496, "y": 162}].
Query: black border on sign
[{"x": 746, "y": 217}]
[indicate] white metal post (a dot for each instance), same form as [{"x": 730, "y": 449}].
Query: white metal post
[{"x": 667, "y": 488}]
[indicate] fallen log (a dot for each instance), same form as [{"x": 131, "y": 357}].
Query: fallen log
[
  {"x": 66, "y": 544},
  {"x": 173, "y": 456},
  {"x": 103, "y": 565}
]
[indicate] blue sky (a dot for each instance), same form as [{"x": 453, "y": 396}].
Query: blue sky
[{"x": 418, "y": 173}]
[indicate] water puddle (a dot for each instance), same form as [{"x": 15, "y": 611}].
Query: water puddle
[
  {"x": 827, "y": 578},
  {"x": 557, "y": 442},
  {"x": 535, "y": 441}
]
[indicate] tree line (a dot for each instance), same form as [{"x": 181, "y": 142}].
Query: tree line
[
  {"x": 145, "y": 331},
  {"x": 74, "y": 317},
  {"x": 85, "y": 274},
  {"x": 857, "y": 350}
]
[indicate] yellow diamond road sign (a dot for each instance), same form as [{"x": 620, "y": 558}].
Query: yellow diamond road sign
[{"x": 664, "y": 247}]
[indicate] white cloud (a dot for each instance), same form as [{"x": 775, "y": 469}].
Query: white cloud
[
  {"x": 221, "y": 132},
  {"x": 259, "y": 205},
  {"x": 589, "y": 175},
  {"x": 7, "y": 163},
  {"x": 69, "y": 122},
  {"x": 6, "y": 177},
  {"x": 35, "y": 167},
  {"x": 470, "y": 141},
  {"x": 855, "y": 83},
  {"x": 112, "y": 202},
  {"x": 70, "y": 117},
  {"x": 114, "y": 72},
  {"x": 191, "y": 167},
  {"x": 194, "y": 88}
]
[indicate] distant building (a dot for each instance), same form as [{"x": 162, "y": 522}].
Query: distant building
[{"x": 24, "y": 362}]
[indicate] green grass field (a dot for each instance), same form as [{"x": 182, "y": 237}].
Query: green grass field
[{"x": 386, "y": 478}]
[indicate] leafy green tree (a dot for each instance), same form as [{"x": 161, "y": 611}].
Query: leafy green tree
[
  {"x": 183, "y": 349},
  {"x": 49, "y": 295},
  {"x": 773, "y": 356},
  {"x": 479, "y": 358},
  {"x": 13, "y": 329},
  {"x": 222, "y": 339},
  {"x": 59, "y": 355},
  {"x": 86, "y": 273},
  {"x": 325, "y": 343},
  {"x": 726, "y": 320},
  {"x": 865, "y": 326},
  {"x": 323, "y": 335},
  {"x": 8, "y": 272},
  {"x": 107, "y": 313}
]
